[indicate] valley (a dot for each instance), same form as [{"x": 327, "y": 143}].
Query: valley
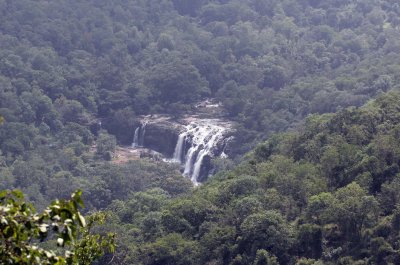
[{"x": 207, "y": 132}]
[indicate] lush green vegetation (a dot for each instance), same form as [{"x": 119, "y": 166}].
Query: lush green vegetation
[
  {"x": 270, "y": 62},
  {"x": 328, "y": 194},
  {"x": 22, "y": 230},
  {"x": 324, "y": 192}
]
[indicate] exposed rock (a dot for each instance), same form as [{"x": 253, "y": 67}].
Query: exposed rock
[
  {"x": 159, "y": 133},
  {"x": 191, "y": 141},
  {"x": 161, "y": 138},
  {"x": 154, "y": 155}
]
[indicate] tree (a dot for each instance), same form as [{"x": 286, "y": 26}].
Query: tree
[
  {"x": 172, "y": 249},
  {"x": 350, "y": 207},
  {"x": 121, "y": 124},
  {"x": 187, "y": 7},
  {"x": 266, "y": 230},
  {"x": 275, "y": 76},
  {"x": 217, "y": 242},
  {"x": 61, "y": 223},
  {"x": 264, "y": 258},
  {"x": 105, "y": 145},
  {"x": 177, "y": 81},
  {"x": 70, "y": 110},
  {"x": 92, "y": 246}
]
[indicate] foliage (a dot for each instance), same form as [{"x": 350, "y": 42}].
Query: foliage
[
  {"x": 269, "y": 62},
  {"x": 75, "y": 76},
  {"x": 22, "y": 230},
  {"x": 325, "y": 194}
]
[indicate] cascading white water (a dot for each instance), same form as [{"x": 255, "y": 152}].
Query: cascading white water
[
  {"x": 178, "y": 153},
  {"x": 143, "y": 129},
  {"x": 189, "y": 161},
  {"x": 136, "y": 138},
  {"x": 200, "y": 139},
  {"x": 203, "y": 136},
  {"x": 206, "y": 150}
]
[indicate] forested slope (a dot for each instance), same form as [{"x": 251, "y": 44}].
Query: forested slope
[
  {"x": 66, "y": 65},
  {"x": 270, "y": 62},
  {"x": 328, "y": 194}
]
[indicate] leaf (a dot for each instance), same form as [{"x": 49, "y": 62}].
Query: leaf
[
  {"x": 66, "y": 214},
  {"x": 77, "y": 197},
  {"x": 81, "y": 220},
  {"x": 17, "y": 194},
  {"x": 48, "y": 254},
  {"x": 3, "y": 194},
  {"x": 60, "y": 242},
  {"x": 43, "y": 228},
  {"x": 70, "y": 236},
  {"x": 56, "y": 218},
  {"x": 8, "y": 232},
  {"x": 5, "y": 209},
  {"x": 4, "y": 221}
]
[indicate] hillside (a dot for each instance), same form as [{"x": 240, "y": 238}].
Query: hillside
[
  {"x": 270, "y": 62},
  {"x": 328, "y": 194},
  {"x": 308, "y": 173}
]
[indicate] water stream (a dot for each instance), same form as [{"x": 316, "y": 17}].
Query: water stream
[
  {"x": 198, "y": 140},
  {"x": 138, "y": 137},
  {"x": 203, "y": 136}
]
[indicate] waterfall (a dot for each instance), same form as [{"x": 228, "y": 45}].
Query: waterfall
[
  {"x": 207, "y": 148},
  {"x": 143, "y": 132},
  {"x": 203, "y": 137},
  {"x": 138, "y": 138},
  {"x": 177, "y": 157},
  {"x": 189, "y": 162},
  {"x": 197, "y": 165},
  {"x": 199, "y": 140}
]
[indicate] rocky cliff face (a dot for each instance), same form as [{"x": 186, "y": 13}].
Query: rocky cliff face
[{"x": 161, "y": 137}]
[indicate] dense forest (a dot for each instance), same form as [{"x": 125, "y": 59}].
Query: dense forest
[
  {"x": 309, "y": 186},
  {"x": 328, "y": 194}
]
